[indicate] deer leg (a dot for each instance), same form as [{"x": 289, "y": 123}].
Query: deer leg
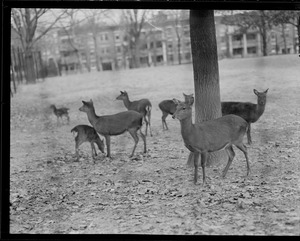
[
  {"x": 243, "y": 148},
  {"x": 77, "y": 144},
  {"x": 133, "y": 133},
  {"x": 68, "y": 118},
  {"x": 107, "y": 140},
  {"x": 163, "y": 118},
  {"x": 203, "y": 162},
  {"x": 149, "y": 122},
  {"x": 249, "y": 134},
  {"x": 231, "y": 155},
  {"x": 196, "y": 164},
  {"x": 144, "y": 140},
  {"x": 94, "y": 153},
  {"x": 190, "y": 160}
]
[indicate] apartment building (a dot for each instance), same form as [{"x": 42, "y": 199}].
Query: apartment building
[{"x": 164, "y": 43}]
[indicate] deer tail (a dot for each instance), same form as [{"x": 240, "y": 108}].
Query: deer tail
[{"x": 190, "y": 162}]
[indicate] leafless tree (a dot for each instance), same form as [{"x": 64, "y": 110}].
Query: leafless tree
[
  {"x": 134, "y": 23},
  {"x": 25, "y": 22}
]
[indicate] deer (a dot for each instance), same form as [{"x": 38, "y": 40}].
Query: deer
[
  {"x": 168, "y": 107},
  {"x": 142, "y": 106},
  {"x": 85, "y": 133},
  {"x": 60, "y": 112},
  {"x": 248, "y": 111},
  {"x": 117, "y": 124},
  {"x": 210, "y": 136}
]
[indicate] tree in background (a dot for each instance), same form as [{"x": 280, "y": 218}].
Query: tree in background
[
  {"x": 93, "y": 16},
  {"x": 134, "y": 20},
  {"x": 287, "y": 17},
  {"x": 26, "y": 23},
  {"x": 206, "y": 70},
  {"x": 69, "y": 28},
  {"x": 256, "y": 19}
]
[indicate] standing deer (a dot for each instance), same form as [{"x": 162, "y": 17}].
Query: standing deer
[
  {"x": 248, "y": 111},
  {"x": 117, "y": 124},
  {"x": 60, "y": 112},
  {"x": 210, "y": 136},
  {"x": 86, "y": 133},
  {"x": 168, "y": 107},
  {"x": 142, "y": 106}
]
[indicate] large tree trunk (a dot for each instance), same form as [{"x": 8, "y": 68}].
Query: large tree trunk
[
  {"x": 263, "y": 32},
  {"x": 206, "y": 72}
]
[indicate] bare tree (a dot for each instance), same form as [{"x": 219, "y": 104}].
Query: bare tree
[
  {"x": 70, "y": 30},
  {"x": 25, "y": 22},
  {"x": 259, "y": 19},
  {"x": 134, "y": 22},
  {"x": 93, "y": 16},
  {"x": 287, "y": 17}
]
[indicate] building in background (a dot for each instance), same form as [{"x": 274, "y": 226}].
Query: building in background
[{"x": 165, "y": 41}]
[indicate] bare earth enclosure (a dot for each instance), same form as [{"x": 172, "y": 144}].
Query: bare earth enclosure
[{"x": 153, "y": 193}]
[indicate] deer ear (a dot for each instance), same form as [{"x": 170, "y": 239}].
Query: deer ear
[
  {"x": 91, "y": 100},
  {"x": 176, "y": 101},
  {"x": 267, "y": 90},
  {"x": 255, "y": 91},
  {"x": 121, "y": 92},
  {"x": 83, "y": 102}
]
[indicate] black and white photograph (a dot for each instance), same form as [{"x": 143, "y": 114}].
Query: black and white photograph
[{"x": 154, "y": 121}]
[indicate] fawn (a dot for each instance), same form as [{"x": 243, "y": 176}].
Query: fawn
[
  {"x": 60, "y": 112},
  {"x": 85, "y": 133},
  {"x": 248, "y": 111},
  {"x": 168, "y": 107},
  {"x": 142, "y": 106},
  {"x": 210, "y": 136},
  {"x": 117, "y": 124}
]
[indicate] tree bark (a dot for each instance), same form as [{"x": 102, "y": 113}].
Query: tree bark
[
  {"x": 29, "y": 68},
  {"x": 206, "y": 70}
]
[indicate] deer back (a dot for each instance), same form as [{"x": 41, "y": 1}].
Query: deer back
[
  {"x": 215, "y": 134},
  {"x": 167, "y": 106},
  {"x": 118, "y": 123}
]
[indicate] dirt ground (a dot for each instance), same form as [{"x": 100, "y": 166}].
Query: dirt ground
[{"x": 154, "y": 193}]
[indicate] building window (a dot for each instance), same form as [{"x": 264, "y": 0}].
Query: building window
[
  {"x": 251, "y": 50},
  {"x": 188, "y": 56},
  {"x": 117, "y": 36},
  {"x": 159, "y": 58},
  {"x": 170, "y": 57},
  {"x": 237, "y": 37},
  {"x": 186, "y": 31},
  {"x": 119, "y": 49},
  {"x": 169, "y": 32},
  {"x": 251, "y": 36},
  {"x": 188, "y": 44},
  {"x": 144, "y": 46},
  {"x": 158, "y": 44},
  {"x": 237, "y": 51}
]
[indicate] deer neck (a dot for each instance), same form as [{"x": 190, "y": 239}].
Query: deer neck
[
  {"x": 127, "y": 102},
  {"x": 186, "y": 128},
  {"x": 260, "y": 109},
  {"x": 92, "y": 117}
]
